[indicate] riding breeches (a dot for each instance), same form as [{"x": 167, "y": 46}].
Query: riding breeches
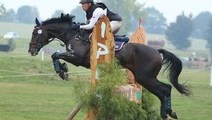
[{"x": 115, "y": 26}]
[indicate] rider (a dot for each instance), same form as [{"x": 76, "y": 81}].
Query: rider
[
  {"x": 93, "y": 13},
  {"x": 96, "y": 11}
]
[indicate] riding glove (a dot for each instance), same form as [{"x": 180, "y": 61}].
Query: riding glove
[{"x": 75, "y": 26}]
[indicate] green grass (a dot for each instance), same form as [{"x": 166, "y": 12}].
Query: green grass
[
  {"x": 34, "y": 97},
  {"x": 28, "y": 101},
  {"x": 47, "y": 97},
  {"x": 199, "y": 105}
]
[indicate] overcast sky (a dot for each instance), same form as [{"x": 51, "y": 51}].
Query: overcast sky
[{"x": 170, "y": 8}]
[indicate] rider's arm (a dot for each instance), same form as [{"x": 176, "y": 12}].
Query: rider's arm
[{"x": 99, "y": 12}]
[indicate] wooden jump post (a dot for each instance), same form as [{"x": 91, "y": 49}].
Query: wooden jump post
[
  {"x": 102, "y": 50},
  {"x": 74, "y": 112}
]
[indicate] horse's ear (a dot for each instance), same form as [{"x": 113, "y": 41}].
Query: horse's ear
[
  {"x": 62, "y": 15},
  {"x": 72, "y": 17},
  {"x": 37, "y": 22},
  {"x": 67, "y": 16}
]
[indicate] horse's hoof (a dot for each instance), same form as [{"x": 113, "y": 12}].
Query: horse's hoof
[
  {"x": 173, "y": 115},
  {"x": 66, "y": 76},
  {"x": 167, "y": 119},
  {"x": 63, "y": 75},
  {"x": 64, "y": 67},
  {"x": 164, "y": 117}
]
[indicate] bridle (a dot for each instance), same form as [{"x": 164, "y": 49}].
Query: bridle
[{"x": 39, "y": 42}]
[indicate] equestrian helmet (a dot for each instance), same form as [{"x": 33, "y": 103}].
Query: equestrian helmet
[{"x": 86, "y": 1}]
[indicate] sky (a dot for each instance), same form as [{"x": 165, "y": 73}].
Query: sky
[{"x": 169, "y": 8}]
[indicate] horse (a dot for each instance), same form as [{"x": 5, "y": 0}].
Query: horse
[{"x": 145, "y": 62}]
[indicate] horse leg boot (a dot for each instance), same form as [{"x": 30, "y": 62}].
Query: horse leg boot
[
  {"x": 61, "y": 69},
  {"x": 167, "y": 101},
  {"x": 161, "y": 90},
  {"x": 168, "y": 108},
  {"x": 163, "y": 113}
]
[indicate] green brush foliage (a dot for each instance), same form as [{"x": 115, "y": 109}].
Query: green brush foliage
[
  {"x": 106, "y": 102},
  {"x": 148, "y": 102}
]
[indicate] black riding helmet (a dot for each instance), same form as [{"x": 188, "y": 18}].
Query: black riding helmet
[{"x": 86, "y": 1}]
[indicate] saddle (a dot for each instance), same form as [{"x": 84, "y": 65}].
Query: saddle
[{"x": 120, "y": 40}]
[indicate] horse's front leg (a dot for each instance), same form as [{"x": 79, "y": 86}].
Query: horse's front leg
[{"x": 61, "y": 68}]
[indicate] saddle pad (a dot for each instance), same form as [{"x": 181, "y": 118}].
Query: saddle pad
[{"x": 118, "y": 45}]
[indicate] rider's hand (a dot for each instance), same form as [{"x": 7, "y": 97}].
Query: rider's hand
[{"x": 75, "y": 26}]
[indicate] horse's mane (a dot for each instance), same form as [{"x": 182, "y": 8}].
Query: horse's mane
[{"x": 62, "y": 19}]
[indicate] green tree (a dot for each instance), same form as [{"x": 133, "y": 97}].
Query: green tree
[
  {"x": 2, "y": 10},
  {"x": 129, "y": 10},
  {"x": 9, "y": 16},
  {"x": 155, "y": 22},
  {"x": 179, "y": 32},
  {"x": 27, "y": 14},
  {"x": 57, "y": 13},
  {"x": 79, "y": 13},
  {"x": 200, "y": 24},
  {"x": 209, "y": 37}
]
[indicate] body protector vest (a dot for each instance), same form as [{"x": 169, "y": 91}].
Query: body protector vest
[{"x": 112, "y": 16}]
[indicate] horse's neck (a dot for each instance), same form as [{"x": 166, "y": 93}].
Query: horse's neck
[
  {"x": 60, "y": 32},
  {"x": 64, "y": 33}
]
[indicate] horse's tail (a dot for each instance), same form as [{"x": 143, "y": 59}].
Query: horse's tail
[{"x": 174, "y": 65}]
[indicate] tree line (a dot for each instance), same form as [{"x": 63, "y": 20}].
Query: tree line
[
  {"x": 24, "y": 14},
  {"x": 154, "y": 22}
]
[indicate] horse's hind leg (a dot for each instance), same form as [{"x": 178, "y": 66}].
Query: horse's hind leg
[
  {"x": 167, "y": 100},
  {"x": 162, "y": 91}
]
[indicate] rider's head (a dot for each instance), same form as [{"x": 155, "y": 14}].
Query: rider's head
[{"x": 86, "y": 4}]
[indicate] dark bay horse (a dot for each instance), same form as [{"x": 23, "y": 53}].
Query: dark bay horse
[{"x": 144, "y": 61}]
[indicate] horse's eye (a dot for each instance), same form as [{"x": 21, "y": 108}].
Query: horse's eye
[{"x": 40, "y": 31}]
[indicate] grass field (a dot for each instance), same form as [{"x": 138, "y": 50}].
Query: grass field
[
  {"x": 49, "y": 98},
  {"x": 33, "y": 97},
  {"x": 29, "y": 90}
]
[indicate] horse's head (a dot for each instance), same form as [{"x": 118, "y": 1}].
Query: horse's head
[
  {"x": 46, "y": 31},
  {"x": 40, "y": 37}
]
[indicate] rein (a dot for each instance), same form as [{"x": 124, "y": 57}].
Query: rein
[{"x": 52, "y": 39}]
